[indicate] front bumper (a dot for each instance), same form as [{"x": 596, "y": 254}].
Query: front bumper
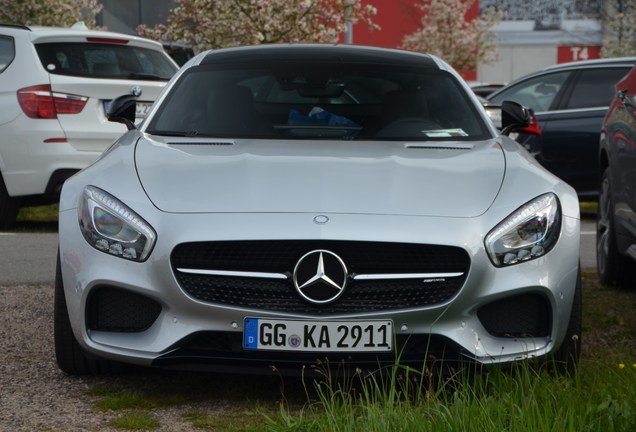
[{"x": 191, "y": 333}]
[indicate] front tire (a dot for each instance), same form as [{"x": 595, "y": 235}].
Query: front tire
[
  {"x": 566, "y": 358},
  {"x": 71, "y": 357},
  {"x": 611, "y": 265}
]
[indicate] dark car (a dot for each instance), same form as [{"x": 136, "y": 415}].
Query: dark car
[
  {"x": 179, "y": 52},
  {"x": 570, "y": 101},
  {"x": 616, "y": 220},
  {"x": 484, "y": 89}
]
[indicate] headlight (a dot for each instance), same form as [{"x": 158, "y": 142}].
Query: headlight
[
  {"x": 528, "y": 233},
  {"x": 111, "y": 227}
]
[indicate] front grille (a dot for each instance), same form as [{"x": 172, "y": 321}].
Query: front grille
[
  {"x": 117, "y": 310},
  {"x": 281, "y": 256},
  {"x": 524, "y": 315}
]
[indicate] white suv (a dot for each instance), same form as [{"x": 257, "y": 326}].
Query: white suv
[{"x": 55, "y": 86}]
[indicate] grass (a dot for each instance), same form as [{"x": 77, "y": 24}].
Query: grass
[
  {"x": 37, "y": 219},
  {"x": 136, "y": 421},
  {"x": 588, "y": 208},
  {"x": 600, "y": 397},
  {"x": 115, "y": 399},
  {"x": 230, "y": 420},
  {"x": 40, "y": 214}
]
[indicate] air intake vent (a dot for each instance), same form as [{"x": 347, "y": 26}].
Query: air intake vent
[
  {"x": 117, "y": 310},
  {"x": 525, "y": 315}
]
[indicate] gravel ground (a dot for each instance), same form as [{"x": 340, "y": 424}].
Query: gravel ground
[
  {"x": 36, "y": 396},
  {"x": 34, "y": 393}
]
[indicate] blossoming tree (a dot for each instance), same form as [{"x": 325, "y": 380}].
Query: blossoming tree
[
  {"x": 208, "y": 24},
  {"x": 445, "y": 32},
  {"x": 620, "y": 31},
  {"x": 62, "y": 13}
]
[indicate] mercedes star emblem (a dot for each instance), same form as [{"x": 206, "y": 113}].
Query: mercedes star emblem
[
  {"x": 321, "y": 219},
  {"x": 320, "y": 276}
]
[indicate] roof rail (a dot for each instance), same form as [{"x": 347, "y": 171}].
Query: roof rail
[
  {"x": 18, "y": 26},
  {"x": 595, "y": 62}
]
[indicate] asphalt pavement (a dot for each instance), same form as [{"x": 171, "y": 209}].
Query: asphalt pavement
[{"x": 29, "y": 258}]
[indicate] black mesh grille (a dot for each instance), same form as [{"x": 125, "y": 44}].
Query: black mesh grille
[
  {"x": 118, "y": 310},
  {"x": 282, "y": 256},
  {"x": 525, "y": 315}
]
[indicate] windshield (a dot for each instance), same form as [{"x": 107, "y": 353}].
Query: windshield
[
  {"x": 318, "y": 100},
  {"x": 97, "y": 60}
]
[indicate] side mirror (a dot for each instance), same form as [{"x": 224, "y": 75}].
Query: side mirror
[
  {"x": 514, "y": 117},
  {"x": 122, "y": 110}
]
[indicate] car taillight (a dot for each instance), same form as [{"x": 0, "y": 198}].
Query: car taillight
[
  {"x": 39, "y": 102},
  {"x": 534, "y": 127}
]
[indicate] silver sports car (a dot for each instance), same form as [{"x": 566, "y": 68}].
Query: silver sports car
[{"x": 283, "y": 205}]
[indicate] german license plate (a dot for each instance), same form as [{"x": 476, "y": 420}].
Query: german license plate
[
  {"x": 305, "y": 335},
  {"x": 142, "y": 109}
]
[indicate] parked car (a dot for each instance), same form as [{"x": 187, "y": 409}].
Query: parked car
[
  {"x": 484, "y": 89},
  {"x": 570, "y": 101},
  {"x": 287, "y": 203},
  {"x": 179, "y": 52},
  {"x": 616, "y": 216},
  {"x": 55, "y": 86}
]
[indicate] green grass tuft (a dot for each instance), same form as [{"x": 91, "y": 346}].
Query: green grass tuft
[
  {"x": 115, "y": 400},
  {"x": 40, "y": 214},
  {"x": 136, "y": 421}
]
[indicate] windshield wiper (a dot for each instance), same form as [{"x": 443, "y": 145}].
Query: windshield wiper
[{"x": 173, "y": 133}]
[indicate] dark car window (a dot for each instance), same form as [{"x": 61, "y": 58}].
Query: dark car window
[
  {"x": 7, "y": 52},
  {"x": 537, "y": 93},
  {"x": 319, "y": 100},
  {"x": 98, "y": 60},
  {"x": 179, "y": 53},
  {"x": 595, "y": 87}
]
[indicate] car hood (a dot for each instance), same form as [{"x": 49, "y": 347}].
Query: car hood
[{"x": 182, "y": 175}]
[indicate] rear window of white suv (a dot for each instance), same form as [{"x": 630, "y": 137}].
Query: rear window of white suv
[
  {"x": 104, "y": 60},
  {"x": 7, "y": 52}
]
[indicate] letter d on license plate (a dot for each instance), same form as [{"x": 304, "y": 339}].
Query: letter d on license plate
[{"x": 303, "y": 335}]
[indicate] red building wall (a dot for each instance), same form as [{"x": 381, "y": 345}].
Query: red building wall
[{"x": 397, "y": 18}]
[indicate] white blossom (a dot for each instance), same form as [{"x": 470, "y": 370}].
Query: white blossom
[
  {"x": 56, "y": 13},
  {"x": 445, "y": 32},
  {"x": 209, "y": 24}
]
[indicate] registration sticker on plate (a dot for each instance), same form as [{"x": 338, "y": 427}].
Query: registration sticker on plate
[{"x": 304, "y": 335}]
